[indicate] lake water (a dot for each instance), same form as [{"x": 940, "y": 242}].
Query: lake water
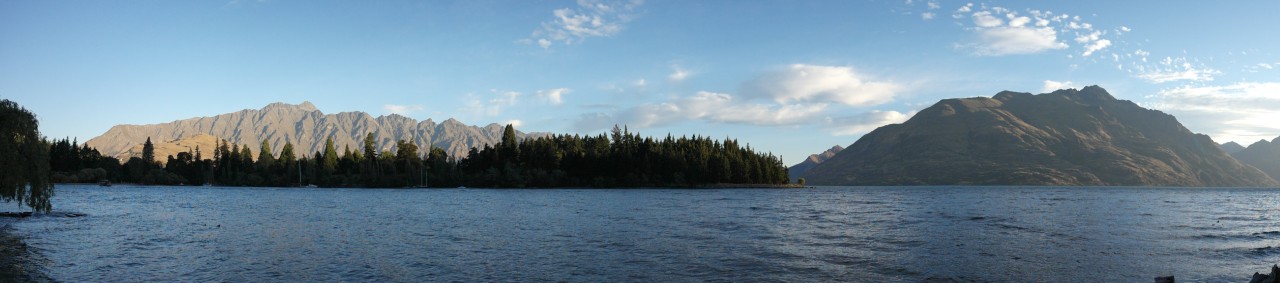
[{"x": 871, "y": 234}]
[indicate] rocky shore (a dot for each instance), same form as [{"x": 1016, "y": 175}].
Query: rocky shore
[{"x": 18, "y": 263}]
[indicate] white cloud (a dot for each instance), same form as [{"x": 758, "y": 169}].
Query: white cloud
[
  {"x": 821, "y": 84},
  {"x": 678, "y": 74},
  {"x": 1086, "y": 38},
  {"x": 1176, "y": 69},
  {"x": 984, "y": 19},
  {"x": 492, "y": 106},
  {"x": 933, "y": 5},
  {"x": 796, "y": 94},
  {"x": 999, "y": 31},
  {"x": 592, "y": 18},
  {"x": 704, "y": 106},
  {"x": 1095, "y": 46},
  {"x": 1019, "y": 21},
  {"x": 554, "y": 96},
  {"x": 505, "y": 98},
  {"x": 864, "y": 123},
  {"x": 401, "y": 109},
  {"x": 515, "y": 123},
  {"x": 1240, "y": 112},
  {"x": 927, "y": 15},
  {"x": 1050, "y": 86},
  {"x": 1001, "y": 41}
]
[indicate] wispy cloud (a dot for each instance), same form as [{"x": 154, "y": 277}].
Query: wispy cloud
[
  {"x": 554, "y": 96},
  {"x": 1175, "y": 69},
  {"x": 591, "y": 18},
  {"x": 1050, "y": 86},
  {"x": 1240, "y": 112},
  {"x": 704, "y": 106},
  {"x": 865, "y": 122},
  {"x": 401, "y": 109},
  {"x": 1000, "y": 31},
  {"x": 821, "y": 84},
  {"x": 678, "y": 74},
  {"x": 492, "y": 104},
  {"x": 793, "y": 95}
]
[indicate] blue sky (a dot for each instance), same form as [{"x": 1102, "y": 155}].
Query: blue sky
[{"x": 790, "y": 77}]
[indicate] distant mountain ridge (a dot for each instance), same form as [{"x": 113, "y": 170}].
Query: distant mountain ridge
[
  {"x": 1231, "y": 147},
  {"x": 306, "y": 127},
  {"x": 1067, "y": 137},
  {"x": 812, "y": 161},
  {"x": 1263, "y": 155}
]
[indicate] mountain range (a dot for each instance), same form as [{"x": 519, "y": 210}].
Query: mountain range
[
  {"x": 812, "y": 161},
  {"x": 1263, "y": 155},
  {"x": 1067, "y": 137},
  {"x": 307, "y": 128}
]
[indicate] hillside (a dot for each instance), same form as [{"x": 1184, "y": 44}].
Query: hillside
[
  {"x": 1263, "y": 155},
  {"x": 163, "y": 149},
  {"x": 813, "y": 160},
  {"x": 1067, "y": 137}
]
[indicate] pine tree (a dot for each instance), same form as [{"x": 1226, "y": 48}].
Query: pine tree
[
  {"x": 148, "y": 151},
  {"x": 330, "y": 162},
  {"x": 265, "y": 158}
]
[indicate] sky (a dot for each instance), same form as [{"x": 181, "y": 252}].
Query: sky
[{"x": 788, "y": 77}]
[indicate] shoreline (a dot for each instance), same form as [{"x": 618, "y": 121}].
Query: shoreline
[
  {"x": 694, "y": 187},
  {"x": 17, "y": 260}
]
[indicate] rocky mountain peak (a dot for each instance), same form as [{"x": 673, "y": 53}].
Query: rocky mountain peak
[
  {"x": 306, "y": 128},
  {"x": 305, "y": 106}
]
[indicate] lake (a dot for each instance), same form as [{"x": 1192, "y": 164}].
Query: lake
[{"x": 878, "y": 234}]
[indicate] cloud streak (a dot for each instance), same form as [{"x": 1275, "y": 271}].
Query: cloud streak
[
  {"x": 704, "y": 106},
  {"x": 1050, "y": 86},
  {"x": 1175, "y": 69},
  {"x": 1240, "y": 112},
  {"x": 865, "y": 122},
  {"x": 793, "y": 95},
  {"x": 554, "y": 96},
  {"x": 401, "y": 109},
  {"x": 591, "y": 18},
  {"x": 821, "y": 84}
]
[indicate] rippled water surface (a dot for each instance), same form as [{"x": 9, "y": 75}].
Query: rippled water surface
[{"x": 881, "y": 234}]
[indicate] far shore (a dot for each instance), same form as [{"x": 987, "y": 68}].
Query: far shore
[{"x": 708, "y": 186}]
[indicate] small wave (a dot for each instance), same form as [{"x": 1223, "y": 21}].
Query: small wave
[
  {"x": 1239, "y": 236},
  {"x": 1242, "y": 218},
  {"x": 1266, "y": 251}
]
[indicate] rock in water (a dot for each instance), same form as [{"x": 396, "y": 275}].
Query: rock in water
[
  {"x": 1066, "y": 138},
  {"x": 1266, "y": 278}
]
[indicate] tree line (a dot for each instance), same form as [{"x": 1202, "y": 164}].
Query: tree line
[{"x": 618, "y": 159}]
